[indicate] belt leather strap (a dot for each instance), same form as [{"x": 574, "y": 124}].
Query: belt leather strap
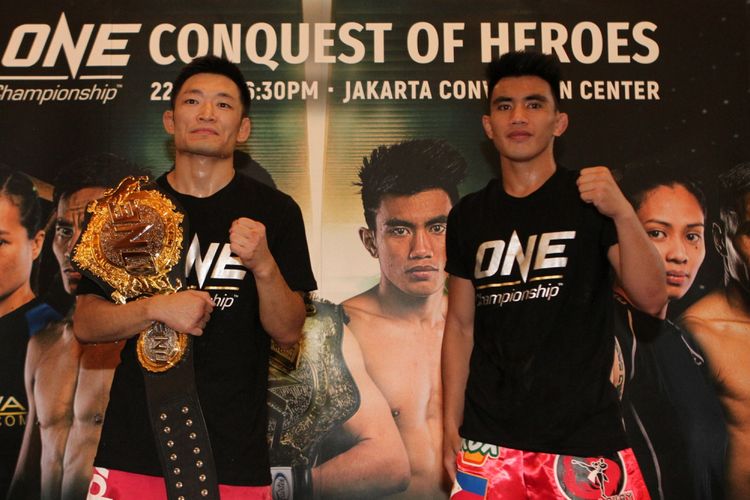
[{"x": 180, "y": 431}]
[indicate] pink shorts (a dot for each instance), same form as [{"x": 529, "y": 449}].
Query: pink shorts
[
  {"x": 110, "y": 484},
  {"x": 486, "y": 471}
]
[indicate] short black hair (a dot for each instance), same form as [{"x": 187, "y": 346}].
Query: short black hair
[
  {"x": 408, "y": 168},
  {"x": 639, "y": 180},
  {"x": 514, "y": 64},
  {"x": 217, "y": 66},
  {"x": 95, "y": 170},
  {"x": 734, "y": 186},
  {"x": 20, "y": 190}
]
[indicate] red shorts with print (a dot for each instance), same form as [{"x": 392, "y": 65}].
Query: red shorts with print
[
  {"x": 487, "y": 471},
  {"x": 110, "y": 484}
]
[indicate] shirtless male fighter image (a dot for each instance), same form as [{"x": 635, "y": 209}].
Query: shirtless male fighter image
[
  {"x": 68, "y": 382},
  {"x": 407, "y": 191},
  {"x": 720, "y": 323}
]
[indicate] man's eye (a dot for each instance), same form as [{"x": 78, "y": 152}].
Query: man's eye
[
  {"x": 437, "y": 228},
  {"x": 63, "y": 232},
  {"x": 399, "y": 231}
]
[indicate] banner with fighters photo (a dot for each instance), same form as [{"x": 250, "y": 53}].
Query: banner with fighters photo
[{"x": 351, "y": 95}]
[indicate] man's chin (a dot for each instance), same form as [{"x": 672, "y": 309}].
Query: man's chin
[
  {"x": 424, "y": 290},
  {"x": 207, "y": 152}
]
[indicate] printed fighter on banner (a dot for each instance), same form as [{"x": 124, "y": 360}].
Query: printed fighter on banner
[{"x": 68, "y": 382}]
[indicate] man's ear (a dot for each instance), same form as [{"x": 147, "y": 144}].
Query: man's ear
[
  {"x": 561, "y": 124},
  {"x": 368, "y": 240},
  {"x": 487, "y": 126},
  {"x": 719, "y": 239},
  {"x": 244, "y": 132},
  {"x": 167, "y": 120}
]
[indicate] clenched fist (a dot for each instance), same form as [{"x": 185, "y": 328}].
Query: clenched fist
[
  {"x": 597, "y": 186},
  {"x": 247, "y": 239},
  {"x": 186, "y": 312}
]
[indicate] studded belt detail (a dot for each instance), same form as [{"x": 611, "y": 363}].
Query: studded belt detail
[{"x": 180, "y": 432}]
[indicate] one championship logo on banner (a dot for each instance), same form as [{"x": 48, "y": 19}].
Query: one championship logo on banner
[{"x": 63, "y": 60}]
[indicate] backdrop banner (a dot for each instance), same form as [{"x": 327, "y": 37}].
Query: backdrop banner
[{"x": 335, "y": 86}]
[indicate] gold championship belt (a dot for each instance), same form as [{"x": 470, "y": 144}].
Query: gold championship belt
[
  {"x": 132, "y": 241},
  {"x": 310, "y": 392}
]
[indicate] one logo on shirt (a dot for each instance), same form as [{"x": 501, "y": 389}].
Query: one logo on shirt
[
  {"x": 582, "y": 478},
  {"x": 539, "y": 292},
  {"x": 218, "y": 260},
  {"x": 12, "y": 413},
  {"x": 224, "y": 300},
  {"x": 541, "y": 252}
]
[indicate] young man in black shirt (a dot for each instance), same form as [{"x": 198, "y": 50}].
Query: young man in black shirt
[{"x": 527, "y": 348}]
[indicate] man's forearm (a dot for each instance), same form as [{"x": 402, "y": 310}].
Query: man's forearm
[
  {"x": 457, "y": 346},
  {"x": 458, "y": 342},
  {"x": 98, "y": 320},
  {"x": 641, "y": 268},
  {"x": 282, "y": 311},
  {"x": 367, "y": 469}
]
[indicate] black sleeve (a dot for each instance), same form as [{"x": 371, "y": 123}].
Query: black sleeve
[
  {"x": 88, "y": 286},
  {"x": 289, "y": 248},
  {"x": 457, "y": 263}
]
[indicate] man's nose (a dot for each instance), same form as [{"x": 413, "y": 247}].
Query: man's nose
[
  {"x": 420, "y": 246},
  {"x": 206, "y": 111}
]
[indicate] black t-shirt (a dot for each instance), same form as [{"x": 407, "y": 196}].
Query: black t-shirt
[
  {"x": 231, "y": 357},
  {"x": 539, "y": 370},
  {"x": 672, "y": 415},
  {"x": 16, "y": 328}
]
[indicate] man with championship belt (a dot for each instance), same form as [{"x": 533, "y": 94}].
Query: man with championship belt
[{"x": 247, "y": 261}]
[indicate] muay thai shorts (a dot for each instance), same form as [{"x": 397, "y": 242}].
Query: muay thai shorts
[{"x": 486, "y": 471}]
